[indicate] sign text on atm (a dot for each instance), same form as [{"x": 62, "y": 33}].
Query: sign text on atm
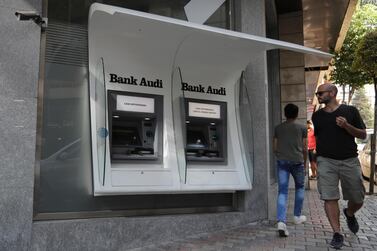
[
  {"x": 202, "y": 89},
  {"x": 134, "y": 81},
  {"x": 158, "y": 84}
]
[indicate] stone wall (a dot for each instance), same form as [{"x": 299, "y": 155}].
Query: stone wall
[
  {"x": 19, "y": 50},
  {"x": 292, "y": 64}
]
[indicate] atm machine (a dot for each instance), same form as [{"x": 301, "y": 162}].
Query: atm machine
[
  {"x": 207, "y": 127},
  {"x": 165, "y": 103},
  {"x": 133, "y": 150},
  {"x": 205, "y": 131},
  {"x": 128, "y": 134},
  {"x": 134, "y": 126}
]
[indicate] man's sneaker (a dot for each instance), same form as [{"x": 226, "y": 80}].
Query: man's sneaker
[
  {"x": 299, "y": 219},
  {"x": 282, "y": 229},
  {"x": 337, "y": 241},
  {"x": 352, "y": 223}
]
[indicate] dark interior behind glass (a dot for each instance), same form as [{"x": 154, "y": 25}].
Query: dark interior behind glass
[{"x": 65, "y": 173}]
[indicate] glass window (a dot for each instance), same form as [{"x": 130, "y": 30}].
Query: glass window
[{"x": 65, "y": 173}]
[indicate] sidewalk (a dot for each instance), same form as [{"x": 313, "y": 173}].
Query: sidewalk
[{"x": 314, "y": 235}]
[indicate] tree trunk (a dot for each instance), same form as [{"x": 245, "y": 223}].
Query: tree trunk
[
  {"x": 344, "y": 94},
  {"x": 351, "y": 91},
  {"x": 373, "y": 142}
]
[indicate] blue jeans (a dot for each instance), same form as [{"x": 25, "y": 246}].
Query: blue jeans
[{"x": 285, "y": 168}]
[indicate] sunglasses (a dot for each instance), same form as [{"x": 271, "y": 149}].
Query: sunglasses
[{"x": 320, "y": 93}]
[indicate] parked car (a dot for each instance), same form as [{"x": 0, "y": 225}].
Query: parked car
[
  {"x": 61, "y": 170},
  {"x": 361, "y": 142},
  {"x": 364, "y": 157}
]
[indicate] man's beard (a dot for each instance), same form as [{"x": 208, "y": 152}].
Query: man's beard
[{"x": 324, "y": 101}]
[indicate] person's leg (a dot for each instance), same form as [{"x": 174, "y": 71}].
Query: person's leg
[
  {"x": 352, "y": 185},
  {"x": 332, "y": 213},
  {"x": 328, "y": 181},
  {"x": 283, "y": 180},
  {"x": 298, "y": 173},
  {"x": 353, "y": 191},
  {"x": 313, "y": 167},
  {"x": 313, "y": 163},
  {"x": 352, "y": 208},
  {"x": 310, "y": 155},
  {"x": 349, "y": 213}
]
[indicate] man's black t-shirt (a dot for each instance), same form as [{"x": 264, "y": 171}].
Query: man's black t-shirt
[{"x": 333, "y": 141}]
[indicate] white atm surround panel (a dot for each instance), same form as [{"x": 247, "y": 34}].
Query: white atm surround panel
[
  {"x": 219, "y": 102},
  {"x": 136, "y": 161},
  {"x": 136, "y": 52}
]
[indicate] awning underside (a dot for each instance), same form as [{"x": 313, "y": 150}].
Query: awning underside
[{"x": 160, "y": 43}]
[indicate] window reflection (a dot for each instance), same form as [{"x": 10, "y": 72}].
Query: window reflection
[{"x": 65, "y": 167}]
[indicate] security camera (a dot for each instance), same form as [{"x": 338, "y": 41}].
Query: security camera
[
  {"x": 31, "y": 15},
  {"x": 27, "y": 15}
]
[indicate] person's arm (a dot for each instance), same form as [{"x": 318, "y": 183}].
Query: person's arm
[
  {"x": 275, "y": 145},
  {"x": 356, "y": 132},
  {"x": 315, "y": 144},
  {"x": 305, "y": 151}
]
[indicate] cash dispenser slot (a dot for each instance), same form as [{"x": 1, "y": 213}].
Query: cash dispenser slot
[
  {"x": 205, "y": 130},
  {"x": 133, "y": 126},
  {"x": 132, "y": 137}
]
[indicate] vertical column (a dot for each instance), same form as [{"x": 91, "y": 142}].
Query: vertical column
[
  {"x": 292, "y": 64},
  {"x": 19, "y": 50},
  {"x": 273, "y": 69},
  {"x": 250, "y": 18}
]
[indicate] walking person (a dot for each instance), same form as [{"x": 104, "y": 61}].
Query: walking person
[
  {"x": 311, "y": 150},
  {"x": 290, "y": 148},
  {"x": 335, "y": 127}
]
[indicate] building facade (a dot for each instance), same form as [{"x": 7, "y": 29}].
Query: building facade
[{"x": 48, "y": 200}]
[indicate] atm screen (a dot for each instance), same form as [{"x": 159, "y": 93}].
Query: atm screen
[
  {"x": 205, "y": 130},
  {"x": 135, "y": 122},
  {"x": 196, "y": 139},
  {"x": 126, "y": 136}
]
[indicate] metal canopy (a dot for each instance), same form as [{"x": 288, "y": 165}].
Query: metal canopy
[
  {"x": 137, "y": 45},
  {"x": 175, "y": 41}
]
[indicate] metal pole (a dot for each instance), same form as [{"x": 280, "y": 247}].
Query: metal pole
[
  {"x": 373, "y": 143},
  {"x": 372, "y": 163}
]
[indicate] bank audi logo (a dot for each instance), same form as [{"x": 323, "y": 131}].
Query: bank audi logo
[
  {"x": 157, "y": 83},
  {"x": 202, "y": 89},
  {"x": 131, "y": 80}
]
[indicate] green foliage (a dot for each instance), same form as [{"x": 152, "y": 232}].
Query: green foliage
[
  {"x": 366, "y": 55},
  {"x": 362, "y": 2},
  {"x": 363, "y": 20},
  {"x": 363, "y": 104}
]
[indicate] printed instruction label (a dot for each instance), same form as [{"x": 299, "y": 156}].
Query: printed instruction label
[
  {"x": 135, "y": 104},
  {"x": 203, "y": 110}
]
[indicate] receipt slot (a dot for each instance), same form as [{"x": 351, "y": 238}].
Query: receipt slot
[
  {"x": 135, "y": 122},
  {"x": 205, "y": 130}
]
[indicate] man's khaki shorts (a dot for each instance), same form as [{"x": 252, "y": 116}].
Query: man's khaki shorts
[{"x": 348, "y": 172}]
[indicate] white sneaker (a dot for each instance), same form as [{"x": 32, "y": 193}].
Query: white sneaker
[
  {"x": 282, "y": 229},
  {"x": 299, "y": 219}
]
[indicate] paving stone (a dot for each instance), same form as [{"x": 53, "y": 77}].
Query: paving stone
[
  {"x": 315, "y": 249},
  {"x": 284, "y": 249},
  {"x": 313, "y": 235}
]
